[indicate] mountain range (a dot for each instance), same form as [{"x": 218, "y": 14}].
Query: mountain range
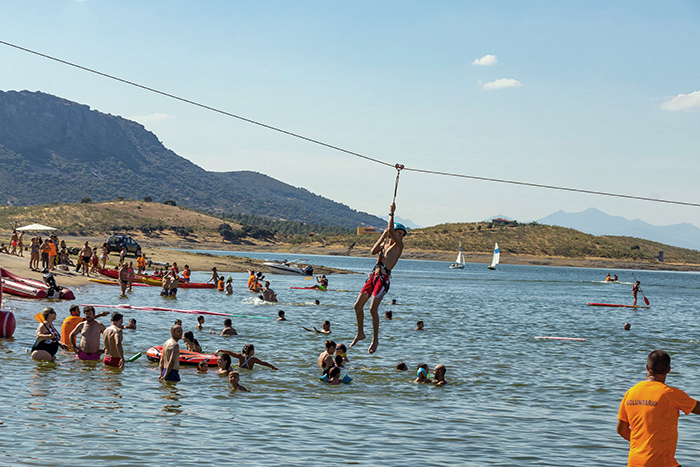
[
  {"x": 596, "y": 222},
  {"x": 56, "y": 150}
]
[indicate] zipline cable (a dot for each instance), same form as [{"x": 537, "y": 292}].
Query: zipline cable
[{"x": 352, "y": 153}]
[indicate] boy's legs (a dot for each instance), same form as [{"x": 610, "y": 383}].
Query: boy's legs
[
  {"x": 360, "y": 315},
  {"x": 374, "y": 311}
]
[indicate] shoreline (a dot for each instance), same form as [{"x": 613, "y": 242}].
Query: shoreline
[{"x": 165, "y": 251}]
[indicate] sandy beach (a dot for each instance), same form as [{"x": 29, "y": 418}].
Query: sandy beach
[{"x": 196, "y": 261}]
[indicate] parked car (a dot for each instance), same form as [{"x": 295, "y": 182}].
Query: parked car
[{"x": 118, "y": 241}]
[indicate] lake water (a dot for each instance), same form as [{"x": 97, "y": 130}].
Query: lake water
[{"x": 511, "y": 399}]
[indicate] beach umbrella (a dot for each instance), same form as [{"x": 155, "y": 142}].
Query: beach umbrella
[{"x": 35, "y": 227}]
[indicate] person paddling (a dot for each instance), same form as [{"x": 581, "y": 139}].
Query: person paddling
[
  {"x": 635, "y": 291},
  {"x": 389, "y": 248}
]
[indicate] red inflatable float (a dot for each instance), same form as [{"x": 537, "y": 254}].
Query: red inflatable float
[
  {"x": 7, "y": 323},
  {"x": 186, "y": 357},
  {"x": 7, "y": 319}
]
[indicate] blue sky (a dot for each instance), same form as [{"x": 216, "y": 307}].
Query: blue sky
[{"x": 601, "y": 96}]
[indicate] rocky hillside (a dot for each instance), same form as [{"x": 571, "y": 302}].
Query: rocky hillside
[{"x": 55, "y": 150}]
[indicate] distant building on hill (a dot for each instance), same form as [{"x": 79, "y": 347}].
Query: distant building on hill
[{"x": 367, "y": 230}]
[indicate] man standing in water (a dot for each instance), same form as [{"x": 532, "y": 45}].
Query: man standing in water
[
  {"x": 648, "y": 415},
  {"x": 90, "y": 331},
  {"x": 112, "y": 337},
  {"x": 169, "y": 366},
  {"x": 378, "y": 282}
]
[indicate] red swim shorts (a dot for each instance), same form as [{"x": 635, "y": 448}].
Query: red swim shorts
[
  {"x": 112, "y": 361},
  {"x": 377, "y": 284}
]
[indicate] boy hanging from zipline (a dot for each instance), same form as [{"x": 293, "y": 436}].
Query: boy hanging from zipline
[{"x": 389, "y": 248}]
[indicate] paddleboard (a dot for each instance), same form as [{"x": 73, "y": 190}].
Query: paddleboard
[{"x": 615, "y": 305}]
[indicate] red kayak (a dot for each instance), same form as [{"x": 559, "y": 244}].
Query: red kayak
[
  {"x": 32, "y": 288},
  {"x": 614, "y": 305},
  {"x": 186, "y": 357},
  {"x": 114, "y": 274}
]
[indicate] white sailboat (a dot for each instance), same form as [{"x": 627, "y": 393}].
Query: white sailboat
[
  {"x": 459, "y": 263},
  {"x": 496, "y": 257}
]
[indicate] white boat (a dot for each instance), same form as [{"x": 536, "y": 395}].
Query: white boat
[
  {"x": 290, "y": 267},
  {"x": 459, "y": 263},
  {"x": 496, "y": 257}
]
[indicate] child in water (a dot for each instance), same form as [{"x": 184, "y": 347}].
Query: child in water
[
  {"x": 389, "y": 248},
  {"x": 202, "y": 367},
  {"x": 246, "y": 359},
  {"x": 422, "y": 373},
  {"x": 233, "y": 378},
  {"x": 334, "y": 375}
]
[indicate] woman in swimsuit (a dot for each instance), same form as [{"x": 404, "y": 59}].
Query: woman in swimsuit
[
  {"x": 246, "y": 358},
  {"x": 224, "y": 363},
  {"x": 191, "y": 342},
  {"x": 47, "y": 337},
  {"x": 104, "y": 255}
]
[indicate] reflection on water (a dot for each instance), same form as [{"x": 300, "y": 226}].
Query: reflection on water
[{"x": 512, "y": 399}]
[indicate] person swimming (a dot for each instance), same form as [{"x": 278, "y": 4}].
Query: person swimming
[
  {"x": 325, "y": 328},
  {"x": 234, "y": 378},
  {"x": 247, "y": 358}
]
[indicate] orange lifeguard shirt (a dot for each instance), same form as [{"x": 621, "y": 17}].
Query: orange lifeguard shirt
[
  {"x": 652, "y": 409},
  {"x": 52, "y": 249}
]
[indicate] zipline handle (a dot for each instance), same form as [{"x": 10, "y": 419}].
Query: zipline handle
[{"x": 399, "y": 168}]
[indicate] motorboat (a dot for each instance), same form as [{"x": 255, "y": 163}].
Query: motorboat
[{"x": 297, "y": 267}]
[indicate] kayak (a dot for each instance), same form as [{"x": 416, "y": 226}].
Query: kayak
[
  {"x": 615, "y": 305},
  {"x": 114, "y": 274},
  {"x": 186, "y": 357},
  {"x": 108, "y": 282},
  {"x": 31, "y": 288}
]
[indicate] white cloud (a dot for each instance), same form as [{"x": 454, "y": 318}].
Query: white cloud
[
  {"x": 486, "y": 60},
  {"x": 688, "y": 102},
  {"x": 502, "y": 83},
  {"x": 145, "y": 120}
]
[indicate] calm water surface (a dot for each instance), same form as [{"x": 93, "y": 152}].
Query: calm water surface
[{"x": 512, "y": 399}]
